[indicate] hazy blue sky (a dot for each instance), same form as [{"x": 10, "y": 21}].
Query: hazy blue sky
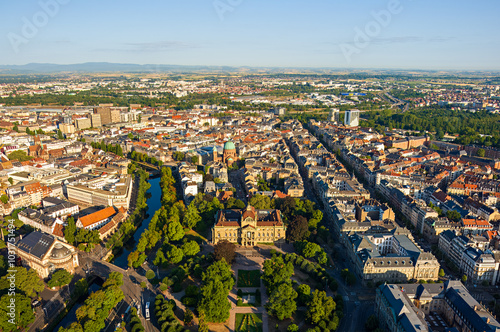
[{"x": 419, "y": 34}]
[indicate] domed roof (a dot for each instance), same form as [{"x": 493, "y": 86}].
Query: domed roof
[
  {"x": 59, "y": 251},
  {"x": 229, "y": 146}
]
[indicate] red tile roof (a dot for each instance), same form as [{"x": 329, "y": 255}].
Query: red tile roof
[{"x": 95, "y": 217}]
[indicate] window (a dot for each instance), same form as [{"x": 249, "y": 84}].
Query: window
[{"x": 249, "y": 234}]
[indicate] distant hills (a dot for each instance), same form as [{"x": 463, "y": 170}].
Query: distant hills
[
  {"x": 103, "y": 67},
  {"x": 107, "y": 67}
]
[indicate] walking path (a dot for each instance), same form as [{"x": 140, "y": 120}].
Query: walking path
[{"x": 248, "y": 263}]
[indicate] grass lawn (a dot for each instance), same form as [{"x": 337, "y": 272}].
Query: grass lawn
[
  {"x": 248, "y": 278},
  {"x": 192, "y": 235},
  {"x": 248, "y": 323},
  {"x": 256, "y": 303}
]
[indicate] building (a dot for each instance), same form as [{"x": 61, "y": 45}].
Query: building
[
  {"x": 96, "y": 120},
  {"x": 373, "y": 210},
  {"x": 39, "y": 220},
  {"x": 229, "y": 153},
  {"x": 351, "y": 118},
  {"x": 248, "y": 226},
  {"x": 55, "y": 207},
  {"x": 45, "y": 254},
  {"x": 97, "y": 219},
  {"x": 83, "y": 123},
  {"x": 105, "y": 113},
  {"x": 334, "y": 115},
  {"x": 67, "y": 128},
  {"x": 115, "y": 116},
  {"x": 431, "y": 307},
  {"x": 100, "y": 192},
  {"x": 392, "y": 256},
  {"x": 471, "y": 255}
]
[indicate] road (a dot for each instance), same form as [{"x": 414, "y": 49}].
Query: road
[
  {"x": 93, "y": 265},
  {"x": 236, "y": 180},
  {"x": 359, "y": 301}
]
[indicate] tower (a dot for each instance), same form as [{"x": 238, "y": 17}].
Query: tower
[
  {"x": 351, "y": 118},
  {"x": 334, "y": 115}
]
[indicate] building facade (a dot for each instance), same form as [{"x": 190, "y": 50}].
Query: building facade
[
  {"x": 45, "y": 254},
  {"x": 442, "y": 307},
  {"x": 248, "y": 227}
]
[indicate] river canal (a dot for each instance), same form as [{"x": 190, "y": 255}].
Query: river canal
[{"x": 154, "y": 204}]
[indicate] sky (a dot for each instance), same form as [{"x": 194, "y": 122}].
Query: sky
[{"x": 392, "y": 34}]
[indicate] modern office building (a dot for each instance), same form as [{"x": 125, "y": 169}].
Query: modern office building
[
  {"x": 111, "y": 191},
  {"x": 351, "y": 118},
  {"x": 334, "y": 115}
]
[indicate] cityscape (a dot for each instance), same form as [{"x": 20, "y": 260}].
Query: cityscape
[{"x": 215, "y": 191}]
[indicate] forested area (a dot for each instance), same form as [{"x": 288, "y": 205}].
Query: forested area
[{"x": 440, "y": 120}]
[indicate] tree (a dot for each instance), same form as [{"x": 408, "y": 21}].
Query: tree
[
  {"x": 276, "y": 272},
  {"x": 453, "y": 215},
  {"x": 287, "y": 206},
  {"x": 321, "y": 307},
  {"x": 20, "y": 317},
  {"x": 194, "y": 159},
  {"x": 175, "y": 232},
  {"x": 191, "y": 218},
  {"x": 481, "y": 153},
  {"x": 282, "y": 303},
  {"x": 60, "y": 134},
  {"x": 74, "y": 327},
  {"x": 233, "y": 203},
  {"x": 60, "y": 278},
  {"x": 179, "y": 156},
  {"x": 188, "y": 317},
  {"x": 27, "y": 281},
  {"x": 4, "y": 198},
  {"x": 292, "y": 328},
  {"x": 81, "y": 288},
  {"x": 311, "y": 249},
  {"x": 304, "y": 293},
  {"x": 298, "y": 229},
  {"x": 132, "y": 258},
  {"x": 190, "y": 248},
  {"x": 214, "y": 302},
  {"x": 348, "y": 276},
  {"x": 19, "y": 155},
  {"x": 150, "y": 274},
  {"x": 175, "y": 255},
  {"x": 464, "y": 278},
  {"x": 11, "y": 181},
  {"x": 441, "y": 273},
  {"x": 260, "y": 202},
  {"x": 225, "y": 249},
  {"x": 202, "y": 322},
  {"x": 70, "y": 230},
  {"x": 219, "y": 270}
]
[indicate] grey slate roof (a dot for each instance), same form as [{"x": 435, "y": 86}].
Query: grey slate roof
[{"x": 36, "y": 244}]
